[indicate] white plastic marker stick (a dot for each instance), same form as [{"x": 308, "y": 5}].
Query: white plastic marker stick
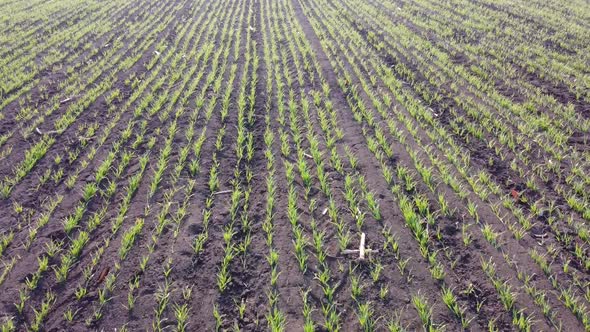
[
  {"x": 362, "y": 247},
  {"x": 361, "y": 250}
]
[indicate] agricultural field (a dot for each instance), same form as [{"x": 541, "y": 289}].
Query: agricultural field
[{"x": 294, "y": 165}]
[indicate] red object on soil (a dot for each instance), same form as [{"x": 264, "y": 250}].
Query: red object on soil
[
  {"x": 514, "y": 194},
  {"x": 103, "y": 275}
]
